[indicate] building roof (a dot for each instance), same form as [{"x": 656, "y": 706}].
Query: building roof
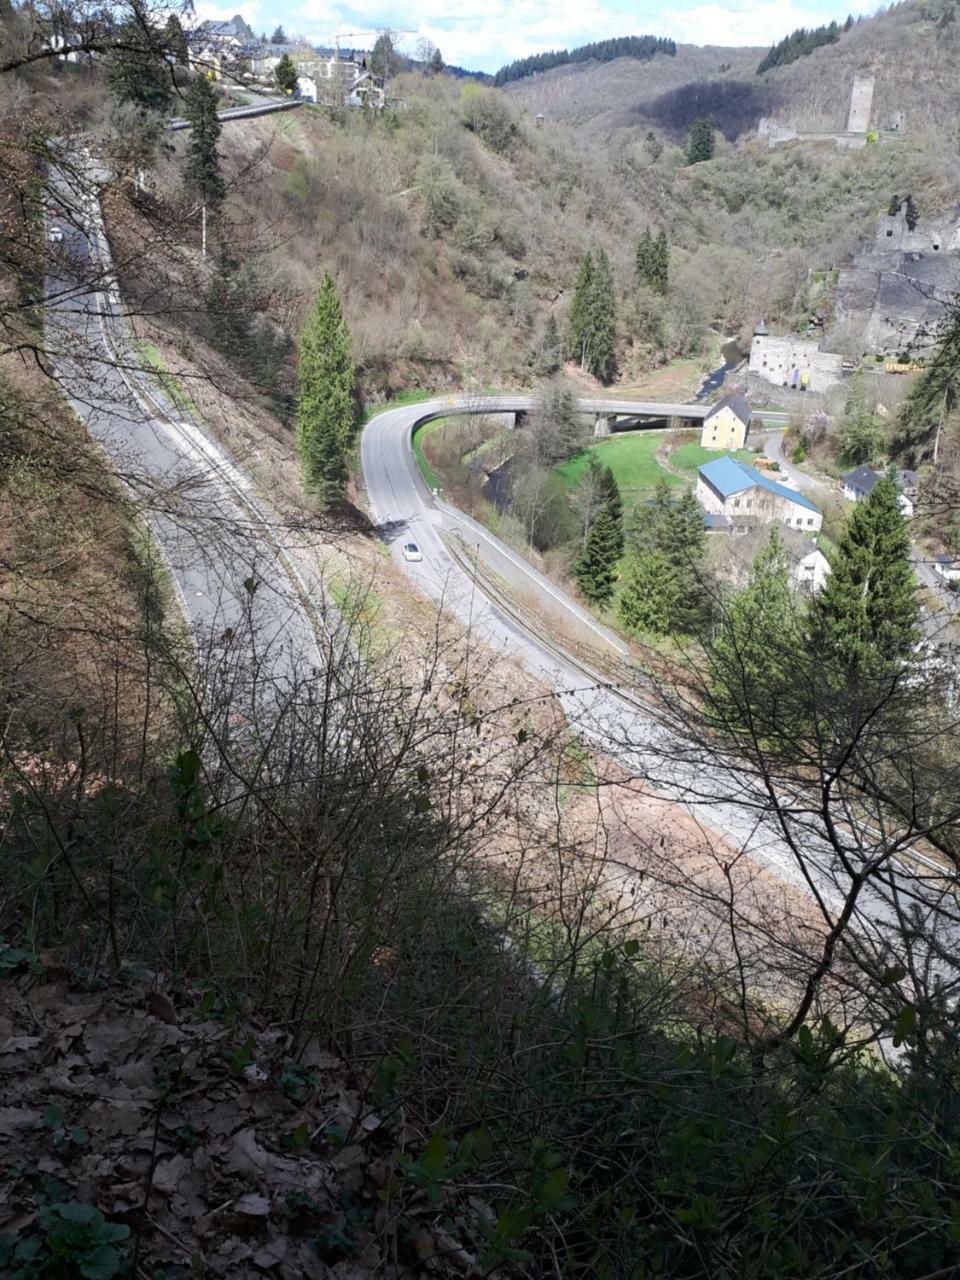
[
  {"x": 737, "y": 404},
  {"x": 863, "y": 478},
  {"x": 728, "y": 477}
]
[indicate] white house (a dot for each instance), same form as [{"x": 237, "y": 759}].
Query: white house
[
  {"x": 307, "y": 88},
  {"x": 860, "y": 483},
  {"x": 809, "y": 567},
  {"x": 948, "y": 568},
  {"x": 749, "y": 498}
]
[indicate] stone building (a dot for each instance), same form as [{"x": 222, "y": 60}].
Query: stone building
[
  {"x": 861, "y": 104},
  {"x": 794, "y": 362},
  {"x": 748, "y": 498}
]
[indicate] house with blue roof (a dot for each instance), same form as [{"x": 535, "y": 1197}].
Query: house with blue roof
[{"x": 747, "y": 497}]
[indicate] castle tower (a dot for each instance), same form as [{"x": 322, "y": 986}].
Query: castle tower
[{"x": 861, "y": 104}]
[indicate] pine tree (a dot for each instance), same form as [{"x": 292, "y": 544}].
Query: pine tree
[
  {"x": 610, "y": 492},
  {"x": 176, "y": 40},
  {"x": 436, "y": 62},
  {"x": 578, "y": 321},
  {"x": 601, "y": 343},
  {"x": 650, "y": 594},
  {"x": 382, "y": 56},
  {"x": 596, "y": 567},
  {"x": 861, "y": 432},
  {"x": 753, "y": 657},
  {"x": 202, "y": 171},
  {"x": 285, "y": 74},
  {"x": 933, "y": 398},
  {"x": 653, "y": 261},
  {"x": 864, "y": 622},
  {"x": 700, "y": 140},
  {"x": 138, "y": 72},
  {"x": 551, "y": 352},
  {"x": 279, "y": 36},
  {"x": 661, "y": 262},
  {"x": 326, "y": 407},
  {"x": 644, "y": 259}
]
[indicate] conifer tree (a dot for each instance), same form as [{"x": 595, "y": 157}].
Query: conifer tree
[
  {"x": 860, "y": 436},
  {"x": 650, "y": 594},
  {"x": 202, "y": 171},
  {"x": 138, "y": 72},
  {"x": 932, "y": 400},
  {"x": 436, "y": 63},
  {"x": 864, "y": 622},
  {"x": 279, "y": 36},
  {"x": 285, "y": 74},
  {"x": 578, "y": 321},
  {"x": 602, "y": 337},
  {"x": 613, "y": 502},
  {"x": 661, "y": 263},
  {"x": 752, "y": 658},
  {"x": 551, "y": 352},
  {"x": 700, "y": 141},
  {"x": 644, "y": 259},
  {"x": 597, "y": 564},
  {"x": 326, "y": 406},
  {"x": 176, "y": 40}
]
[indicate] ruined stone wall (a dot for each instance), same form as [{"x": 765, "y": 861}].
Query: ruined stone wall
[{"x": 861, "y": 104}]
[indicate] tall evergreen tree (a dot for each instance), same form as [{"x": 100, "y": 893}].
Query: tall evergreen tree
[
  {"x": 176, "y": 40},
  {"x": 700, "y": 141},
  {"x": 661, "y": 262},
  {"x": 279, "y": 36},
  {"x": 138, "y": 72},
  {"x": 644, "y": 259},
  {"x": 864, "y": 622},
  {"x": 753, "y": 657},
  {"x": 613, "y": 503},
  {"x": 436, "y": 63},
  {"x": 285, "y": 74},
  {"x": 383, "y": 56},
  {"x": 551, "y": 348},
  {"x": 860, "y": 437},
  {"x": 653, "y": 261},
  {"x": 326, "y": 407},
  {"x": 650, "y": 594},
  {"x": 601, "y": 345},
  {"x": 933, "y": 398},
  {"x": 202, "y": 171},
  {"x": 596, "y": 567},
  {"x": 578, "y": 320}
]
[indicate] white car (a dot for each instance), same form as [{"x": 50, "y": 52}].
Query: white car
[
  {"x": 55, "y": 235},
  {"x": 411, "y": 551}
]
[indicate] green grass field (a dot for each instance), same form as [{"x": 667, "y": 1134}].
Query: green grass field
[
  {"x": 691, "y": 456},
  {"x": 631, "y": 459},
  {"x": 428, "y": 428}
]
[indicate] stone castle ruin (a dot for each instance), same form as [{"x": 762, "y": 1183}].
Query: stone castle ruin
[
  {"x": 858, "y": 128},
  {"x": 899, "y": 285},
  {"x": 861, "y": 104}
]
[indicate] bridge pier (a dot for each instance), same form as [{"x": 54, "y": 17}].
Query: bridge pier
[{"x": 602, "y": 425}]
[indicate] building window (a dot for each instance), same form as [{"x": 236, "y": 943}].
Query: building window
[
  {"x": 810, "y": 520},
  {"x": 889, "y": 233},
  {"x": 736, "y": 502}
]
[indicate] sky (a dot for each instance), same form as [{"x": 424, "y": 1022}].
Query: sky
[{"x": 484, "y": 34}]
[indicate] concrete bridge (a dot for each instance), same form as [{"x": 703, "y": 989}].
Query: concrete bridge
[{"x": 631, "y": 415}]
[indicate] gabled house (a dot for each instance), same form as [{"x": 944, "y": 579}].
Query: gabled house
[
  {"x": 748, "y": 498},
  {"x": 809, "y": 567},
  {"x": 948, "y": 568},
  {"x": 860, "y": 483},
  {"x": 727, "y": 424}
]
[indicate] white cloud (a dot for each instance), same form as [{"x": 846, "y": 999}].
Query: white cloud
[{"x": 484, "y": 34}]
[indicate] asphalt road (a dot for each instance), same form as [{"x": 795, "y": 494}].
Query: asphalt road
[
  {"x": 720, "y": 798},
  {"x": 226, "y": 565}
]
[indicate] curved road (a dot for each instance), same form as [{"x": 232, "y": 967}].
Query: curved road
[{"x": 719, "y": 797}]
